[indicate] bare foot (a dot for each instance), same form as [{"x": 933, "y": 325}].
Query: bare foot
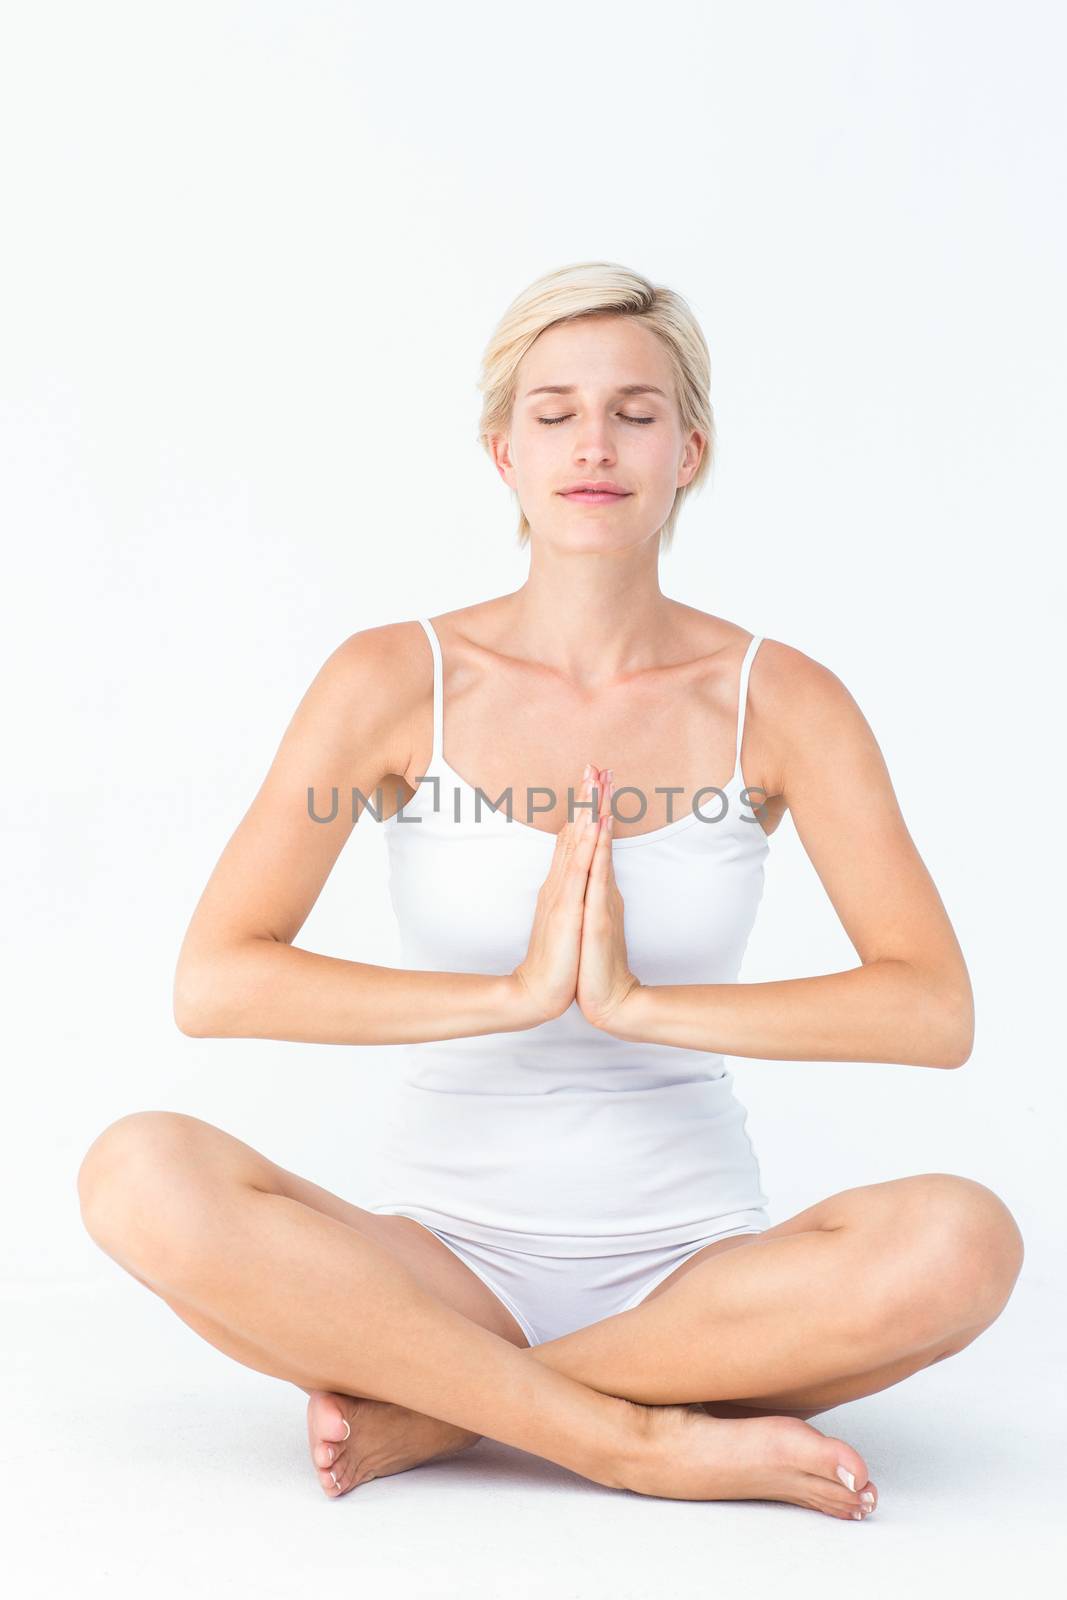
[
  {"x": 683, "y": 1454},
  {"x": 354, "y": 1440}
]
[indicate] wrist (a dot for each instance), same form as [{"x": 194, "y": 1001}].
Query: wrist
[
  {"x": 626, "y": 1019},
  {"x": 519, "y": 1003}
]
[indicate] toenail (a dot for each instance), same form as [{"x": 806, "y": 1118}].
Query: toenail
[
  {"x": 867, "y": 1497},
  {"x": 336, "y": 1485},
  {"x": 348, "y": 1430},
  {"x": 847, "y": 1478},
  {"x": 330, "y": 1449},
  {"x": 857, "y": 1516}
]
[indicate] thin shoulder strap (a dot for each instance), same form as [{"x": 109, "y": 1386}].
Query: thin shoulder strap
[
  {"x": 438, "y": 690},
  {"x": 742, "y": 697}
]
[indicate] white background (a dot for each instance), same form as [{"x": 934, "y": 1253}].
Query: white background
[{"x": 252, "y": 254}]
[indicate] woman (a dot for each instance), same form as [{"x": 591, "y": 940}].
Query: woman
[{"x": 573, "y": 1255}]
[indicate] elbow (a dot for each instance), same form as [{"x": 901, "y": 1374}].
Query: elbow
[
  {"x": 220, "y": 993},
  {"x": 194, "y": 1012},
  {"x": 941, "y": 1012},
  {"x": 961, "y": 1052},
  {"x": 191, "y": 1024},
  {"x": 956, "y": 1034}
]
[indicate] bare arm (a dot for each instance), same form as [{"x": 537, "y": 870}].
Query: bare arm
[
  {"x": 239, "y": 974},
  {"x": 910, "y": 1001}
]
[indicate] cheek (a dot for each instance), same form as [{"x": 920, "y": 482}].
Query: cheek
[
  {"x": 539, "y": 461},
  {"x": 531, "y": 448},
  {"x": 662, "y": 453}
]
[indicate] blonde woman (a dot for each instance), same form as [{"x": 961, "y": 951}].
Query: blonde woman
[{"x": 578, "y": 783}]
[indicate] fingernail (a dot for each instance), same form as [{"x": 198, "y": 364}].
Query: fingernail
[{"x": 847, "y": 1478}]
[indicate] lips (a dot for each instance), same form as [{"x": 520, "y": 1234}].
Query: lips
[
  {"x": 594, "y": 486},
  {"x": 594, "y": 496}
]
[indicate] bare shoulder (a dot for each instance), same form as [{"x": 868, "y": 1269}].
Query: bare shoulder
[
  {"x": 794, "y": 684},
  {"x": 385, "y": 649},
  {"x": 828, "y": 767},
  {"x": 801, "y": 711},
  {"x": 375, "y": 681}
]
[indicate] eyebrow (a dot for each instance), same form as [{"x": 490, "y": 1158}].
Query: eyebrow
[{"x": 625, "y": 388}]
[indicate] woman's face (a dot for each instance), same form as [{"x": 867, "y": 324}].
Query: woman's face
[{"x": 596, "y": 432}]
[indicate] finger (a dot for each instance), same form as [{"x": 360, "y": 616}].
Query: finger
[
  {"x": 609, "y": 790},
  {"x": 581, "y": 837},
  {"x": 569, "y": 834},
  {"x": 585, "y": 821},
  {"x": 600, "y": 866},
  {"x": 598, "y": 872}
]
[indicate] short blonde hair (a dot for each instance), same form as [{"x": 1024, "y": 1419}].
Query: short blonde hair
[{"x": 597, "y": 288}]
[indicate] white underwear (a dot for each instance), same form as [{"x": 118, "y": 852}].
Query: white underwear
[{"x": 552, "y": 1295}]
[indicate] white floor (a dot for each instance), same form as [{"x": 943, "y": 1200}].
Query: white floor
[{"x": 137, "y": 1460}]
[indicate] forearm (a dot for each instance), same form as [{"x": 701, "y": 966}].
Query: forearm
[
  {"x": 265, "y": 989},
  {"x": 882, "y": 1011}
]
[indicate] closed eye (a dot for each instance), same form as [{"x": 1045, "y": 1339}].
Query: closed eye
[{"x": 550, "y": 420}]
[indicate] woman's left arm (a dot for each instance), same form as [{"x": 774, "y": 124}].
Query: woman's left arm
[{"x": 911, "y": 1000}]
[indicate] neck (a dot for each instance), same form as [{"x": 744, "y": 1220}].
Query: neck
[{"x": 592, "y": 616}]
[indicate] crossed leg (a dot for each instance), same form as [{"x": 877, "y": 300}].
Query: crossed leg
[
  {"x": 849, "y": 1296},
  {"x": 846, "y": 1298}
]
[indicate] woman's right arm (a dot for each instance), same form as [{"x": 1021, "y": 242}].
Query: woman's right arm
[{"x": 239, "y": 974}]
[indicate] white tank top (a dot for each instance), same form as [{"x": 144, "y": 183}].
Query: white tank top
[{"x": 560, "y": 1134}]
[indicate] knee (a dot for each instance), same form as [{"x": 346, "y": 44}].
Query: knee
[
  {"x": 130, "y": 1179},
  {"x": 974, "y": 1236},
  {"x": 963, "y": 1252}
]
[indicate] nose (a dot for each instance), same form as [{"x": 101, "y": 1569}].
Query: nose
[{"x": 594, "y": 442}]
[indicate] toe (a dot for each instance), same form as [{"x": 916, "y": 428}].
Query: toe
[
  {"x": 328, "y": 1433},
  {"x": 845, "y": 1467},
  {"x": 858, "y": 1506},
  {"x": 868, "y": 1498},
  {"x": 327, "y": 1417},
  {"x": 842, "y": 1486}
]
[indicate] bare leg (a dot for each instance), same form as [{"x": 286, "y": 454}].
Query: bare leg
[
  {"x": 385, "y": 1438},
  {"x": 325, "y": 1307},
  {"x": 174, "y": 1222},
  {"x": 853, "y": 1294}
]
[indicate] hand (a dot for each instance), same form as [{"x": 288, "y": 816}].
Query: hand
[
  {"x": 548, "y": 974},
  {"x": 604, "y": 976}
]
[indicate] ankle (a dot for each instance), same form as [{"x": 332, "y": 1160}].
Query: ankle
[{"x": 631, "y": 1444}]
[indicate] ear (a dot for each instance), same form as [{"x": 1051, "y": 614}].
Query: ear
[
  {"x": 500, "y": 450},
  {"x": 692, "y": 456}
]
